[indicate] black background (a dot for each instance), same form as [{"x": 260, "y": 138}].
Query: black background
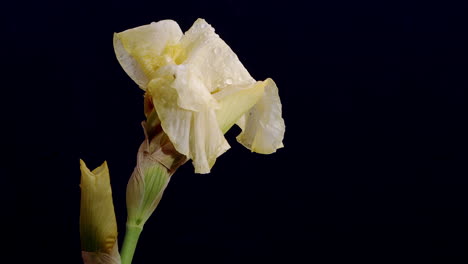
[{"x": 374, "y": 165}]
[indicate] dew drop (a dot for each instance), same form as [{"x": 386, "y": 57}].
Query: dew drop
[{"x": 228, "y": 81}]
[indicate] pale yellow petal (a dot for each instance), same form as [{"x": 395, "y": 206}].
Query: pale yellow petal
[
  {"x": 235, "y": 101},
  {"x": 130, "y": 65},
  {"x": 195, "y": 134},
  {"x": 192, "y": 94},
  {"x": 142, "y": 50},
  {"x": 211, "y": 60},
  {"x": 263, "y": 126}
]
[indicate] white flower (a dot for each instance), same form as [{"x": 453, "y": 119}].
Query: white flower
[{"x": 200, "y": 89}]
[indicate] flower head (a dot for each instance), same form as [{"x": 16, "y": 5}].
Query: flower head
[{"x": 200, "y": 89}]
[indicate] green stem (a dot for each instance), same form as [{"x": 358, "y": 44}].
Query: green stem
[{"x": 130, "y": 242}]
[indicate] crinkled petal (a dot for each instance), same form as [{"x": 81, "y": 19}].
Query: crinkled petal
[
  {"x": 195, "y": 134},
  {"x": 211, "y": 59},
  {"x": 235, "y": 101},
  {"x": 142, "y": 50},
  {"x": 192, "y": 94},
  {"x": 263, "y": 127}
]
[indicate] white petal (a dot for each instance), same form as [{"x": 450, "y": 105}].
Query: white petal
[
  {"x": 235, "y": 101},
  {"x": 211, "y": 59},
  {"x": 195, "y": 134},
  {"x": 192, "y": 94},
  {"x": 207, "y": 142},
  {"x": 263, "y": 127},
  {"x": 140, "y": 50}
]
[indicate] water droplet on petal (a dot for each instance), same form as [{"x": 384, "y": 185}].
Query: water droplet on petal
[
  {"x": 228, "y": 81},
  {"x": 216, "y": 50}
]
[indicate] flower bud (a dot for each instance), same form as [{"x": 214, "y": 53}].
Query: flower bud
[{"x": 98, "y": 227}]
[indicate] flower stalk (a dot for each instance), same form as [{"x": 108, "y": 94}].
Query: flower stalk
[
  {"x": 132, "y": 234},
  {"x": 157, "y": 160}
]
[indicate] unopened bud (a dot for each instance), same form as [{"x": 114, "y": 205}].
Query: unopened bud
[{"x": 98, "y": 227}]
